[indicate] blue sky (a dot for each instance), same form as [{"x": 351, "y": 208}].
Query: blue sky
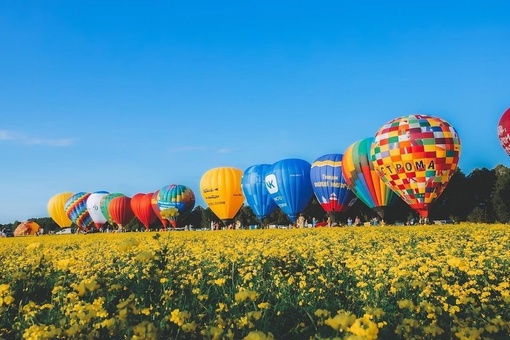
[{"x": 132, "y": 96}]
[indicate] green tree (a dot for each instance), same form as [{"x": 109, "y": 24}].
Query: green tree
[
  {"x": 478, "y": 192},
  {"x": 501, "y": 194}
]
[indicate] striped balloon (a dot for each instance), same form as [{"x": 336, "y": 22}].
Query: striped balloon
[
  {"x": 76, "y": 210},
  {"x": 103, "y": 205},
  {"x": 362, "y": 178}
]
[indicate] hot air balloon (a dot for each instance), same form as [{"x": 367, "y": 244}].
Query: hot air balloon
[
  {"x": 76, "y": 210},
  {"x": 94, "y": 208},
  {"x": 105, "y": 202},
  {"x": 254, "y": 189},
  {"x": 329, "y": 185},
  {"x": 142, "y": 208},
  {"x": 363, "y": 180},
  {"x": 175, "y": 202},
  {"x": 27, "y": 229},
  {"x": 221, "y": 190},
  {"x": 56, "y": 209},
  {"x": 155, "y": 208},
  {"x": 416, "y": 156},
  {"x": 288, "y": 183},
  {"x": 120, "y": 210},
  {"x": 504, "y": 130}
]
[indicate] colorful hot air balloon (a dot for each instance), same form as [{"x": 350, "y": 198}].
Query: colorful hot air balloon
[
  {"x": 221, "y": 190},
  {"x": 56, "y": 209},
  {"x": 288, "y": 183},
  {"x": 416, "y": 156},
  {"x": 120, "y": 210},
  {"x": 254, "y": 189},
  {"x": 175, "y": 202},
  {"x": 76, "y": 210},
  {"x": 94, "y": 208},
  {"x": 363, "y": 180},
  {"x": 329, "y": 185},
  {"x": 142, "y": 208},
  {"x": 105, "y": 202},
  {"x": 27, "y": 229},
  {"x": 155, "y": 208},
  {"x": 504, "y": 130}
]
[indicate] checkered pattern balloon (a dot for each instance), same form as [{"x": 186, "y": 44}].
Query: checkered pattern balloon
[{"x": 416, "y": 156}]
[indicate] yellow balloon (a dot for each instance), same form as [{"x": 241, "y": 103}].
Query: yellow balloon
[
  {"x": 57, "y": 211},
  {"x": 221, "y": 190}
]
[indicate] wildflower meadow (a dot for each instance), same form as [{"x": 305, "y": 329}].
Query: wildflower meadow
[{"x": 392, "y": 282}]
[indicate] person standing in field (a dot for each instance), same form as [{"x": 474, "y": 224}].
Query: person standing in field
[{"x": 300, "y": 222}]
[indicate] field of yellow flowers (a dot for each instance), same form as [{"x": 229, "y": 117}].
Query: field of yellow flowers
[{"x": 429, "y": 282}]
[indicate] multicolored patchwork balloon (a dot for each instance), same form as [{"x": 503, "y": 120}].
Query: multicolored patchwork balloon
[
  {"x": 329, "y": 185},
  {"x": 363, "y": 180},
  {"x": 416, "y": 156},
  {"x": 76, "y": 210}
]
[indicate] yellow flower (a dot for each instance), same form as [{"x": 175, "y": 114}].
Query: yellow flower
[
  {"x": 364, "y": 327},
  {"x": 264, "y": 305},
  {"x": 258, "y": 335},
  {"x": 341, "y": 321},
  {"x": 246, "y": 295},
  {"x": 220, "y": 282}
]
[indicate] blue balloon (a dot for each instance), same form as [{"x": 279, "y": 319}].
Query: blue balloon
[
  {"x": 329, "y": 184},
  {"x": 254, "y": 189},
  {"x": 288, "y": 183}
]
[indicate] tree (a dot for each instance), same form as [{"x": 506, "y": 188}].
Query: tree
[
  {"x": 478, "y": 192},
  {"x": 501, "y": 194}
]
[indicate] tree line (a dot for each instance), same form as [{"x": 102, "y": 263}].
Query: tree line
[{"x": 483, "y": 196}]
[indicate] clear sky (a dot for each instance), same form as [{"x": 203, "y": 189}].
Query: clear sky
[{"x": 131, "y": 96}]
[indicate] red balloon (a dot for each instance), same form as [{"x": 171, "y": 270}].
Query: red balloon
[
  {"x": 142, "y": 208},
  {"x": 504, "y": 130},
  {"x": 120, "y": 210},
  {"x": 155, "y": 207}
]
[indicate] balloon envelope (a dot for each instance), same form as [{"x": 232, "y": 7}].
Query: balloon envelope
[
  {"x": 221, "y": 190},
  {"x": 105, "y": 202},
  {"x": 504, "y": 130},
  {"x": 362, "y": 178},
  {"x": 178, "y": 197},
  {"x": 416, "y": 156},
  {"x": 26, "y": 229},
  {"x": 120, "y": 210},
  {"x": 56, "y": 209},
  {"x": 329, "y": 185},
  {"x": 155, "y": 208},
  {"x": 142, "y": 208},
  {"x": 254, "y": 189},
  {"x": 288, "y": 183},
  {"x": 76, "y": 210},
  {"x": 94, "y": 208}
]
